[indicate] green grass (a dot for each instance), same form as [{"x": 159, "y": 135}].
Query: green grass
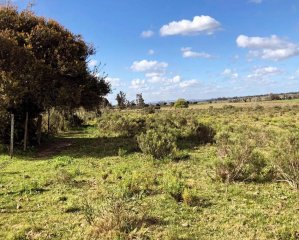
[{"x": 65, "y": 196}]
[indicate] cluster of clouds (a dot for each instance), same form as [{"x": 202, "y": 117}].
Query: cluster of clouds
[
  {"x": 268, "y": 48},
  {"x": 155, "y": 72}
]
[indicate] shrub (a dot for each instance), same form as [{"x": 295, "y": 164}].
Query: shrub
[
  {"x": 124, "y": 125},
  {"x": 149, "y": 110},
  {"x": 287, "y": 160},
  {"x": 181, "y": 103},
  {"x": 240, "y": 160},
  {"x": 158, "y": 143},
  {"x": 205, "y": 134}
]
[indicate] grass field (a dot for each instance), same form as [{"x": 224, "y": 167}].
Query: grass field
[
  {"x": 266, "y": 104},
  {"x": 91, "y": 185}
]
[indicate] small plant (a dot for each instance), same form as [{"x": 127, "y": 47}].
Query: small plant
[
  {"x": 88, "y": 211},
  {"x": 64, "y": 177},
  {"x": 122, "y": 152},
  {"x": 138, "y": 184},
  {"x": 158, "y": 143},
  {"x": 174, "y": 186},
  {"x": 120, "y": 219}
]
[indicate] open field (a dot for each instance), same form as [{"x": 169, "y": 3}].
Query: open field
[
  {"x": 98, "y": 185},
  {"x": 266, "y": 104}
]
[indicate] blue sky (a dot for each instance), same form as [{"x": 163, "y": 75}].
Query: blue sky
[{"x": 194, "y": 49}]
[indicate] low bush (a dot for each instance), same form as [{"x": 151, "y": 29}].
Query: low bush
[
  {"x": 286, "y": 160},
  {"x": 240, "y": 160},
  {"x": 149, "y": 110},
  {"x": 158, "y": 143},
  {"x": 204, "y": 134},
  {"x": 123, "y": 125}
]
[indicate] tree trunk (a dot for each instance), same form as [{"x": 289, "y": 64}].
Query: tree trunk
[
  {"x": 39, "y": 128},
  {"x": 49, "y": 121},
  {"x": 26, "y": 132},
  {"x": 12, "y": 123}
]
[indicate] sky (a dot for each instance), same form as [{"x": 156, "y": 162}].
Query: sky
[{"x": 192, "y": 49}]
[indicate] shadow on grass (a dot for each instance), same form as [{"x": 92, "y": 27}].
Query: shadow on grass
[
  {"x": 81, "y": 147},
  {"x": 191, "y": 142}
]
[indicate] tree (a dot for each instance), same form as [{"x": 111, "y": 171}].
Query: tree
[
  {"x": 139, "y": 101},
  {"x": 181, "y": 103},
  {"x": 121, "y": 100},
  {"x": 46, "y": 65}
]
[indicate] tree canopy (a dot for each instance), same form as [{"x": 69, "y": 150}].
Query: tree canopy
[
  {"x": 181, "y": 103},
  {"x": 45, "y": 64}
]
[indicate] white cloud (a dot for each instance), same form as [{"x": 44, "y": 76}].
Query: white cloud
[
  {"x": 151, "y": 52},
  {"x": 175, "y": 79},
  {"x": 149, "y": 66},
  {"x": 147, "y": 34},
  {"x": 230, "y": 73},
  {"x": 115, "y": 82},
  {"x": 188, "y": 83},
  {"x": 161, "y": 78},
  {"x": 199, "y": 24},
  {"x": 188, "y": 53},
  {"x": 92, "y": 63},
  {"x": 272, "y": 48},
  {"x": 256, "y": 1},
  {"x": 264, "y": 71},
  {"x": 138, "y": 84}
]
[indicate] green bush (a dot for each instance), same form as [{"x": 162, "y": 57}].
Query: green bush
[
  {"x": 240, "y": 160},
  {"x": 121, "y": 124},
  {"x": 181, "y": 103},
  {"x": 287, "y": 160},
  {"x": 205, "y": 134},
  {"x": 158, "y": 143}
]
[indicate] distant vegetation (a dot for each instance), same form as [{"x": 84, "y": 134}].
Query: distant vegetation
[{"x": 181, "y": 103}]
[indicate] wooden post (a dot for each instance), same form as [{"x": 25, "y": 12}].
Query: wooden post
[
  {"x": 26, "y": 132},
  {"x": 12, "y": 123},
  {"x": 39, "y": 128}
]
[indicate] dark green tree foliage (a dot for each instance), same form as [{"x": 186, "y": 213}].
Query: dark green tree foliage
[{"x": 44, "y": 65}]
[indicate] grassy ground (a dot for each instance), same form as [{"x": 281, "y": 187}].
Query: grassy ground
[{"x": 83, "y": 189}]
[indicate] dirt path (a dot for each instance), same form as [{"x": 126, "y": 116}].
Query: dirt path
[{"x": 53, "y": 148}]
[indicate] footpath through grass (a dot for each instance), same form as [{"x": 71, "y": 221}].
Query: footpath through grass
[{"x": 101, "y": 187}]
